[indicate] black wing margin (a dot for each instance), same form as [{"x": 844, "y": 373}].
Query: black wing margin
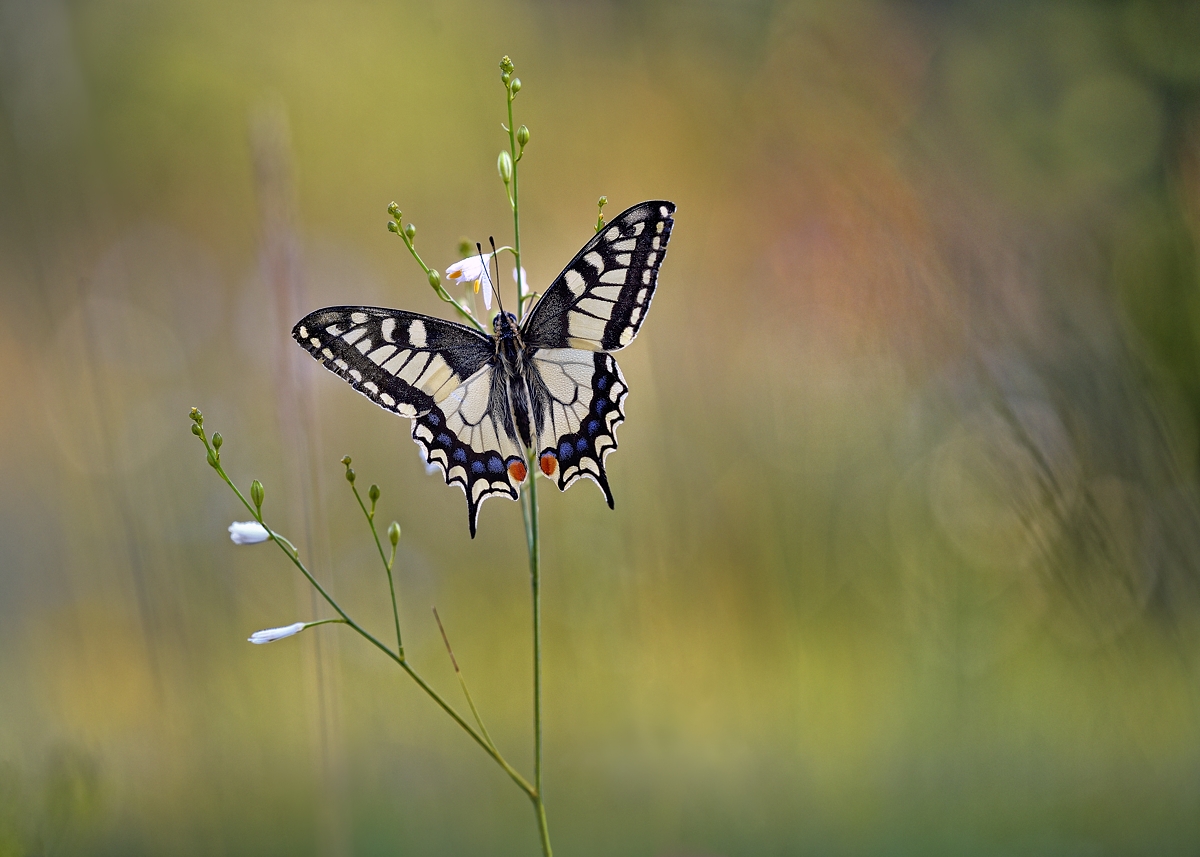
[
  {"x": 404, "y": 362},
  {"x": 599, "y": 301}
]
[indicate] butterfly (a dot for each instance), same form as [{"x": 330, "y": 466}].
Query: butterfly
[{"x": 548, "y": 385}]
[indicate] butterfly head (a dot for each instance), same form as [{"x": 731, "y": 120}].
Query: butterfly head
[{"x": 505, "y": 324}]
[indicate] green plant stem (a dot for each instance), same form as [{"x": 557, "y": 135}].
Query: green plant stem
[
  {"x": 529, "y": 511},
  {"x": 387, "y": 566},
  {"x": 516, "y": 207},
  {"x": 291, "y": 554},
  {"x": 461, "y": 680},
  {"x": 440, "y": 289}
]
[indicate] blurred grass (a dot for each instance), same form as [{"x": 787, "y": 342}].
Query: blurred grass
[{"x": 904, "y": 558}]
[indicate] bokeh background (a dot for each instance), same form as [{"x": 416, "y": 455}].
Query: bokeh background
[{"x": 906, "y": 546}]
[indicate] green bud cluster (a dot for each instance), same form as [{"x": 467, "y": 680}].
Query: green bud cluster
[
  {"x": 504, "y": 166},
  {"x": 435, "y": 279},
  {"x": 410, "y": 231},
  {"x": 349, "y": 471},
  {"x": 256, "y": 494},
  {"x": 522, "y": 136},
  {"x": 394, "y": 533}
]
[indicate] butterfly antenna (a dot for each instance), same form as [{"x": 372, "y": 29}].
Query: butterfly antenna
[
  {"x": 495, "y": 287},
  {"x": 496, "y": 280}
]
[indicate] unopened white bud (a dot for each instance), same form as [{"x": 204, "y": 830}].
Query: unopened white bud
[
  {"x": 247, "y": 533},
  {"x": 270, "y": 635}
]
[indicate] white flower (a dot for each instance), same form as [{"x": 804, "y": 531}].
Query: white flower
[
  {"x": 248, "y": 532},
  {"x": 270, "y": 635},
  {"x": 522, "y": 283},
  {"x": 474, "y": 269}
]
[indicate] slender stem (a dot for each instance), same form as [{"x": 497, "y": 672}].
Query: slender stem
[
  {"x": 516, "y": 204},
  {"x": 441, "y": 291},
  {"x": 533, "y": 542},
  {"x": 529, "y": 512},
  {"x": 462, "y": 681},
  {"x": 293, "y": 555},
  {"x": 387, "y": 566}
]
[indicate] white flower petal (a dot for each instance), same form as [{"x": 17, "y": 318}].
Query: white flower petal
[
  {"x": 522, "y": 282},
  {"x": 247, "y": 532},
  {"x": 486, "y": 282},
  {"x": 270, "y": 635},
  {"x": 470, "y": 269}
]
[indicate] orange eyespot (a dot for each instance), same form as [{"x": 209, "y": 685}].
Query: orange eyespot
[
  {"x": 517, "y": 471},
  {"x": 548, "y": 462}
]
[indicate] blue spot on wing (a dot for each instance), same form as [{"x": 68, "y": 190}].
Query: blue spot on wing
[
  {"x": 476, "y": 466},
  {"x": 433, "y": 419},
  {"x": 445, "y": 439},
  {"x": 602, "y": 382},
  {"x": 564, "y": 449},
  {"x": 593, "y": 427},
  {"x": 601, "y": 406},
  {"x": 460, "y": 455},
  {"x": 495, "y": 464},
  {"x": 581, "y": 444}
]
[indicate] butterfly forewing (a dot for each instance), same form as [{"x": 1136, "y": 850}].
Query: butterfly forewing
[
  {"x": 403, "y": 361},
  {"x": 599, "y": 301}
]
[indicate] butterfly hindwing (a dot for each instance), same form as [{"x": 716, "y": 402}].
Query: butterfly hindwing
[
  {"x": 599, "y": 301},
  {"x": 578, "y": 402},
  {"x": 470, "y": 434},
  {"x": 405, "y": 362}
]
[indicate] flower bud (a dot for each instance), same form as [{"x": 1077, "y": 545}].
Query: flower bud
[
  {"x": 506, "y": 65},
  {"x": 393, "y": 226},
  {"x": 247, "y": 533},
  {"x": 435, "y": 279},
  {"x": 373, "y": 493},
  {"x": 394, "y": 533},
  {"x": 394, "y": 210},
  {"x": 196, "y": 430},
  {"x": 522, "y": 136},
  {"x": 410, "y": 230},
  {"x": 346, "y": 460},
  {"x": 515, "y": 86},
  {"x": 256, "y": 493},
  {"x": 350, "y": 475},
  {"x": 504, "y": 166},
  {"x": 602, "y": 201},
  {"x": 212, "y": 458},
  {"x": 217, "y": 440},
  {"x": 196, "y": 416},
  {"x": 270, "y": 635}
]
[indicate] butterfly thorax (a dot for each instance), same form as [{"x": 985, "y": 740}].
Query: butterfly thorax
[{"x": 511, "y": 361}]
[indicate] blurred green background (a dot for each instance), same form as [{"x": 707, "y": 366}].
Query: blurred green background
[{"x": 906, "y": 546}]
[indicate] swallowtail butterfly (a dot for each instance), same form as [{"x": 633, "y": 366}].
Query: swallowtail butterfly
[{"x": 548, "y": 385}]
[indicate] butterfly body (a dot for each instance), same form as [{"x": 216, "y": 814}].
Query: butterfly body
[{"x": 544, "y": 389}]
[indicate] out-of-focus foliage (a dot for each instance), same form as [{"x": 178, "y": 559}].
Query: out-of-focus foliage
[{"x": 905, "y": 550}]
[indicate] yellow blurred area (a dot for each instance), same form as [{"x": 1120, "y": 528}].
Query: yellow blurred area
[{"x": 906, "y": 550}]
